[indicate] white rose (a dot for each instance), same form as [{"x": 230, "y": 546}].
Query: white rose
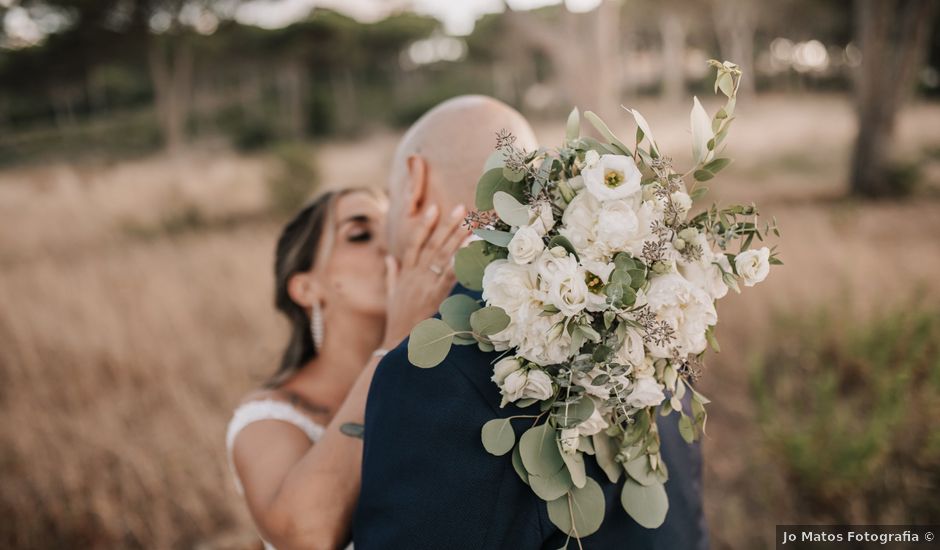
[
  {"x": 594, "y": 424},
  {"x": 686, "y": 308},
  {"x": 538, "y": 338},
  {"x": 632, "y": 352},
  {"x": 646, "y": 393},
  {"x": 617, "y": 224},
  {"x": 613, "y": 177},
  {"x": 580, "y": 220},
  {"x": 538, "y": 385},
  {"x": 525, "y": 246},
  {"x": 541, "y": 218},
  {"x": 565, "y": 286},
  {"x": 504, "y": 367},
  {"x": 753, "y": 265},
  {"x": 512, "y": 387},
  {"x": 570, "y": 440},
  {"x": 509, "y": 285}
]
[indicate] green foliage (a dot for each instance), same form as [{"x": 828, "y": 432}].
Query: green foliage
[
  {"x": 498, "y": 437},
  {"x": 584, "y": 505},
  {"x": 296, "y": 180},
  {"x": 429, "y": 343},
  {"x": 646, "y": 504},
  {"x": 849, "y": 414}
]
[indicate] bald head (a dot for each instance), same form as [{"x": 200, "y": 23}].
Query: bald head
[
  {"x": 455, "y": 138},
  {"x": 441, "y": 157}
]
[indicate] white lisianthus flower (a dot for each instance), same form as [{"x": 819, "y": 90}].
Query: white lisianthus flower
[
  {"x": 645, "y": 368},
  {"x": 576, "y": 183},
  {"x": 512, "y": 387},
  {"x": 646, "y": 215},
  {"x": 613, "y": 177},
  {"x": 509, "y": 285},
  {"x": 646, "y": 392},
  {"x": 569, "y": 441},
  {"x": 538, "y": 385},
  {"x": 688, "y": 309},
  {"x": 536, "y": 337},
  {"x": 753, "y": 265},
  {"x": 525, "y": 246},
  {"x": 594, "y": 424},
  {"x": 591, "y": 158},
  {"x": 504, "y": 367},
  {"x": 601, "y": 269},
  {"x": 705, "y": 273},
  {"x": 541, "y": 218}
]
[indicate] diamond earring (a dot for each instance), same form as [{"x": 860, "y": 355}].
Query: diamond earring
[{"x": 316, "y": 325}]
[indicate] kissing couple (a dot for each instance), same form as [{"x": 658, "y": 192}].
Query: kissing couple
[{"x": 354, "y": 273}]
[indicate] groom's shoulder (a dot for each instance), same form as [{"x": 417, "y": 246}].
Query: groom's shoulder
[{"x": 465, "y": 372}]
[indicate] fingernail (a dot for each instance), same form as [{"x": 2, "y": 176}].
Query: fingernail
[
  {"x": 459, "y": 211},
  {"x": 431, "y": 211}
]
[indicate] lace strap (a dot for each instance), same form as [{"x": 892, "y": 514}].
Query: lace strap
[
  {"x": 270, "y": 409},
  {"x": 266, "y": 409}
]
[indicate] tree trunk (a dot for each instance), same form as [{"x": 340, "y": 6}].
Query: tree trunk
[
  {"x": 672, "y": 31},
  {"x": 291, "y": 94},
  {"x": 735, "y": 26},
  {"x": 171, "y": 70},
  {"x": 892, "y": 37}
]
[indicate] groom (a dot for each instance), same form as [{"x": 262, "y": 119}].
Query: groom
[{"x": 427, "y": 482}]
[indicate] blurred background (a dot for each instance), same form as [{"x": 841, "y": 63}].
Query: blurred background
[{"x": 150, "y": 150}]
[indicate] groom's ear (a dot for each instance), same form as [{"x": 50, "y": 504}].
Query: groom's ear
[{"x": 417, "y": 184}]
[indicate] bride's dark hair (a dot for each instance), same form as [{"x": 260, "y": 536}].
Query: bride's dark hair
[{"x": 297, "y": 249}]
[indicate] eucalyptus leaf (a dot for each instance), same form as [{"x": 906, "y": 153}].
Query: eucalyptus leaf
[
  {"x": 510, "y": 210},
  {"x": 570, "y": 415},
  {"x": 647, "y": 505},
  {"x": 512, "y": 175},
  {"x": 492, "y": 236},
  {"x": 429, "y": 343},
  {"x": 605, "y": 132},
  {"x": 550, "y": 487},
  {"x": 489, "y": 320},
  {"x": 604, "y": 451},
  {"x": 639, "y": 469},
  {"x": 539, "y": 451},
  {"x": 469, "y": 264},
  {"x": 456, "y": 311},
  {"x": 686, "y": 430},
  {"x": 563, "y": 242},
  {"x": 497, "y": 159},
  {"x": 489, "y": 183},
  {"x": 498, "y": 436},
  {"x": 702, "y": 175},
  {"x": 517, "y": 465},
  {"x": 717, "y": 165},
  {"x": 645, "y": 127},
  {"x": 573, "y": 127},
  {"x": 586, "y": 505},
  {"x": 575, "y": 465}
]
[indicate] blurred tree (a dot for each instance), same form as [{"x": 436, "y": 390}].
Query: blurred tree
[
  {"x": 736, "y": 26},
  {"x": 892, "y": 37}
]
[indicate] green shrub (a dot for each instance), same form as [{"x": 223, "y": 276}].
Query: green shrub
[
  {"x": 848, "y": 412},
  {"x": 295, "y": 181}
]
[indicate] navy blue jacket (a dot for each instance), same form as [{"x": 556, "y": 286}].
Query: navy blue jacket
[{"x": 428, "y": 483}]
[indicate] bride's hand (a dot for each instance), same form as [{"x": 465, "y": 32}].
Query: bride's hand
[{"x": 425, "y": 276}]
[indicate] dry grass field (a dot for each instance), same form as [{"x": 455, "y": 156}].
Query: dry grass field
[{"x": 135, "y": 309}]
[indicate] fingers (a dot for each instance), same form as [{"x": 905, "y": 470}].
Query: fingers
[
  {"x": 391, "y": 275},
  {"x": 422, "y": 233},
  {"x": 440, "y": 246}
]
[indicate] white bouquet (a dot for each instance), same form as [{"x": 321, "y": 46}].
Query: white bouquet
[{"x": 599, "y": 285}]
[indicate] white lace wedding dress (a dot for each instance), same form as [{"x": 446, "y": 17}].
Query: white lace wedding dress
[{"x": 267, "y": 409}]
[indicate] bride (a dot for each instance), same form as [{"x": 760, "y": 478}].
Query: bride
[{"x": 347, "y": 303}]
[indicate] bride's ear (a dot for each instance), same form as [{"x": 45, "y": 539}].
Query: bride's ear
[
  {"x": 417, "y": 184},
  {"x": 303, "y": 289}
]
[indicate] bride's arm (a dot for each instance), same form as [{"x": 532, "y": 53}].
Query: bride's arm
[{"x": 303, "y": 496}]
